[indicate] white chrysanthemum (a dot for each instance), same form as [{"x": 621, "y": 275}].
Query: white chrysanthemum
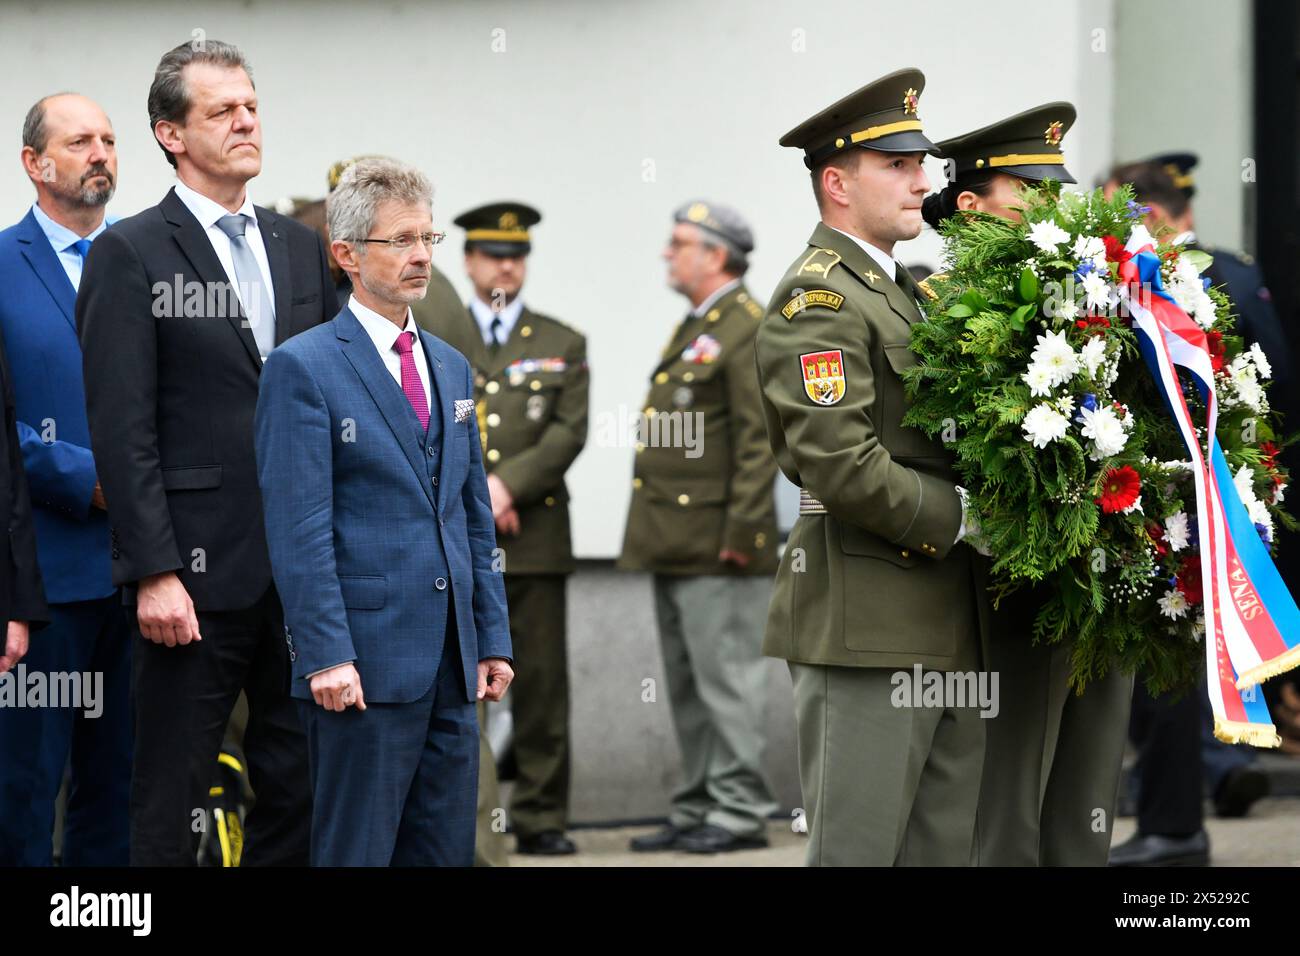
[
  {"x": 1173, "y": 605},
  {"x": 1056, "y": 355},
  {"x": 1244, "y": 482},
  {"x": 1093, "y": 354},
  {"x": 1089, "y": 247},
  {"x": 1279, "y": 492},
  {"x": 1262, "y": 364},
  {"x": 1039, "y": 380},
  {"x": 1259, "y": 514},
  {"x": 1044, "y": 424},
  {"x": 1096, "y": 290},
  {"x": 1048, "y": 236},
  {"x": 1066, "y": 310},
  {"x": 1106, "y": 431},
  {"x": 1135, "y": 506},
  {"x": 1176, "y": 531}
]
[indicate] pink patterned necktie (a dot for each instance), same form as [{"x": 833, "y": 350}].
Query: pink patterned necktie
[{"x": 411, "y": 378}]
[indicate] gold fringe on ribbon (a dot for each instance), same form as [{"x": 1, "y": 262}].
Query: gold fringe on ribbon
[
  {"x": 1266, "y": 669},
  {"x": 1238, "y": 732}
]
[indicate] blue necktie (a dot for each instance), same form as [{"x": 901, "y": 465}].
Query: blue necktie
[{"x": 81, "y": 247}]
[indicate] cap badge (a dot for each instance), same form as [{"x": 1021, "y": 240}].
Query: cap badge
[
  {"x": 1052, "y": 135},
  {"x": 910, "y": 101},
  {"x": 698, "y": 212}
]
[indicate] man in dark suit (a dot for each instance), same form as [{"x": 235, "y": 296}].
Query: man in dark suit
[
  {"x": 177, "y": 310},
  {"x": 69, "y": 153},
  {"x": 381, "y": 535}
]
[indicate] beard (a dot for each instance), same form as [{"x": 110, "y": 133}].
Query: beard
[
  {"x": 84, "y": 193},
  {"x": 394, "y": 292}
]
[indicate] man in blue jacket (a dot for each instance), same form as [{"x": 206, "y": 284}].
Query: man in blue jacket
[
  {"x": 382, "y": 544},
  {"x": 69, "y": 154}
]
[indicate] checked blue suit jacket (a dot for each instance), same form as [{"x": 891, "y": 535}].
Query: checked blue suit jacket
[{"x": 377, "y": 530}]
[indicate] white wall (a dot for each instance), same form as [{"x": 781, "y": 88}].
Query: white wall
[{"x": 569, "y": 117}]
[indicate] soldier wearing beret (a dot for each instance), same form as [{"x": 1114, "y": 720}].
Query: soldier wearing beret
[
  {"x": 874, "y": 587},
  {"x": 1053, "y": 756},
  {"x": 530, "y": 376},
  {"x": 703, "y": 522}
]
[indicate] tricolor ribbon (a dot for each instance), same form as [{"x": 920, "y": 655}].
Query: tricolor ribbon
[{"x": 1251, "y": 621}]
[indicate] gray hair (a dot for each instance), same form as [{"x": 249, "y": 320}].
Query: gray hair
[
  {"x": 365, "y": 185},
  {"x": 35, "y": 134},
  {"x": 169, "y": 97}
]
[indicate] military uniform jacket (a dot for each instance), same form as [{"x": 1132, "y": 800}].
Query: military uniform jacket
[
  {"x": 876, "y": 580},
  {"x": 531, "y": 399},
  {"x": 704, "y": 473}
]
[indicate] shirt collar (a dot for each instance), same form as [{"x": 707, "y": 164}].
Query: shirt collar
[
  {"x": 718, "y": 293},
  {"x": 484, "y": 315},
  {"x": 1185, "y": 238},
  {"x": 883, "y": 259},
  {"x": 208, "y": 211},
  {"x": 60, "y": 236},
  {"x": 380, "y": 330}
]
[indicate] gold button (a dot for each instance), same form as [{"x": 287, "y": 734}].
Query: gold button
[
  {"x": 640, "y": 447},
  {"x": 535, "y": 385},
  {"x": 760, "y": 540},
  {"x": 636, "y": 482},
  {"x": 688, "y": 377},
  {"x": 683, "y": 499},
  {"x": 979, "y": 164},
  {"x": 526, "y": 331},
  {"x": 713, "y": 315},
  {"x": 839, "y": 142},
  {"x": 661, "y": 378},
  {"x": 493, "y": 387},
  {"x": 494, "y": 455},
  {"x": 742, "y": 298},
  {"x": 905, "y": 553},
  {"x": 650, "y": 410},
  {"x": 550, "y": 501},
  {"x": 494, "y": 419}
]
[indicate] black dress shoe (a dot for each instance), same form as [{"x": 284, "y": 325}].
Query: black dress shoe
[
  {"x": 549, "y": 843},
  {"x": 665, "y": 838},
  {"x": 1240, "y": 788},
  {"x": 1156, "y": 850},
  {"x": 711, "y": 839}
]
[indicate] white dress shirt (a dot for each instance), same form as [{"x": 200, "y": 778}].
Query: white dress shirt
[
  {"x": 718, "y": 293},
  {"x": 888, "y": 263},
  {"x": 383, "y": 333},
  {"x": 207, "y": 212},
  {"x": 62, "y": 240},
  {"x": 484, "y": 315}
]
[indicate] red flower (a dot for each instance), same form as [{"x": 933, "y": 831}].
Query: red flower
[
  {"x": 1189, "y": 580},
  {"x": 1214, "y": 342},
  {"x": 1157, "y": 536},
  {"x": 1115, "y": 251},
  {"x": 1121, "y": 490},
  {"x": 1270, "y": 454}
]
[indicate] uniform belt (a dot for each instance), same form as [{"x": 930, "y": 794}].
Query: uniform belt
[{"x": 808, "y": 505}]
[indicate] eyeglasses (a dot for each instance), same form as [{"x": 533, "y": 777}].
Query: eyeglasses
[
  {"x": 677, "y": 245},
  {"x": 407, "y": 240}
]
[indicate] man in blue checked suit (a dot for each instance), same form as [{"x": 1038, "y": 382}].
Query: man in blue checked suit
[
  {"x": 69, "y": 154},
  {"x": 383, "y": 545}
]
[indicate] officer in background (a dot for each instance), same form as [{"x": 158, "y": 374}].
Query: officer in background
[
  {"x": 703, "y": 521},
  {"x": 873, "y": 581},
  {"x": 530, "y": 377}
]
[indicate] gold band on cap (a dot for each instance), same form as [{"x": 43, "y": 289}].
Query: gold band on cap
[
  {"x": 497, "y": 235},
  {"x": 1028, "y": 159},
  {"x": 875, "y": 132}
]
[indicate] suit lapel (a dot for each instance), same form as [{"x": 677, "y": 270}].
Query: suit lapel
[
  {"x": 442, "y": 402},
  {"x": 866, "y": 270},
  {"x": 277, "y": 254},
  {"x": 194, "y": 242},
  {"x": 40, "y": 255},
  {"x": 387, "y": 394}
]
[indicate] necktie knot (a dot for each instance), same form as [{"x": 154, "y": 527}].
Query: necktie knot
[
  {"x": 81, "y": 247},
  {"x": 404, "y": 343},
  {"x": 233, "y": 226}
]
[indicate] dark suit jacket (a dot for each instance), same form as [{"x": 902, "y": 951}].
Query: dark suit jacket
[
  {"x": 22, "y": 598},
  {"x": 40, "y": 338},
  {"x": 379, "y": 531},
  {"x": 171, "y": 376}
]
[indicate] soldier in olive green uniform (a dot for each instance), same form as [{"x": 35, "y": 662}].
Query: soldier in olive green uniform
[
  {"x": 702, "y": 520},
  {"x": 873, "y": 582},
  {"x": 1052, "y": 765},
  {"x": 530, "y": 375}
]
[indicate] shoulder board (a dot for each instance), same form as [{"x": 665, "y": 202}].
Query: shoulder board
[
  {"x": 819, "y": 262},
  {"x": 812, "y": 298},
  {"x": 924, "y": 284}
]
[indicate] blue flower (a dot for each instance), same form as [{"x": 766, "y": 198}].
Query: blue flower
[
  {"x": 1264, "y": 533},
  {"x": 1088, "y": 401},
  {"x": 1136, "y": 211},
  {"x": 1085, "y": 267}
]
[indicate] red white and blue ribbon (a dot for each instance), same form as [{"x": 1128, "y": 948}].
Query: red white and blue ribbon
[{"x": 1252, "y": 624}]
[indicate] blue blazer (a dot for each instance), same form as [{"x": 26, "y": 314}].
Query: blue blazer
[
  {"x": 40, "y": 338},
  {"x": 377, "y": 531}
]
